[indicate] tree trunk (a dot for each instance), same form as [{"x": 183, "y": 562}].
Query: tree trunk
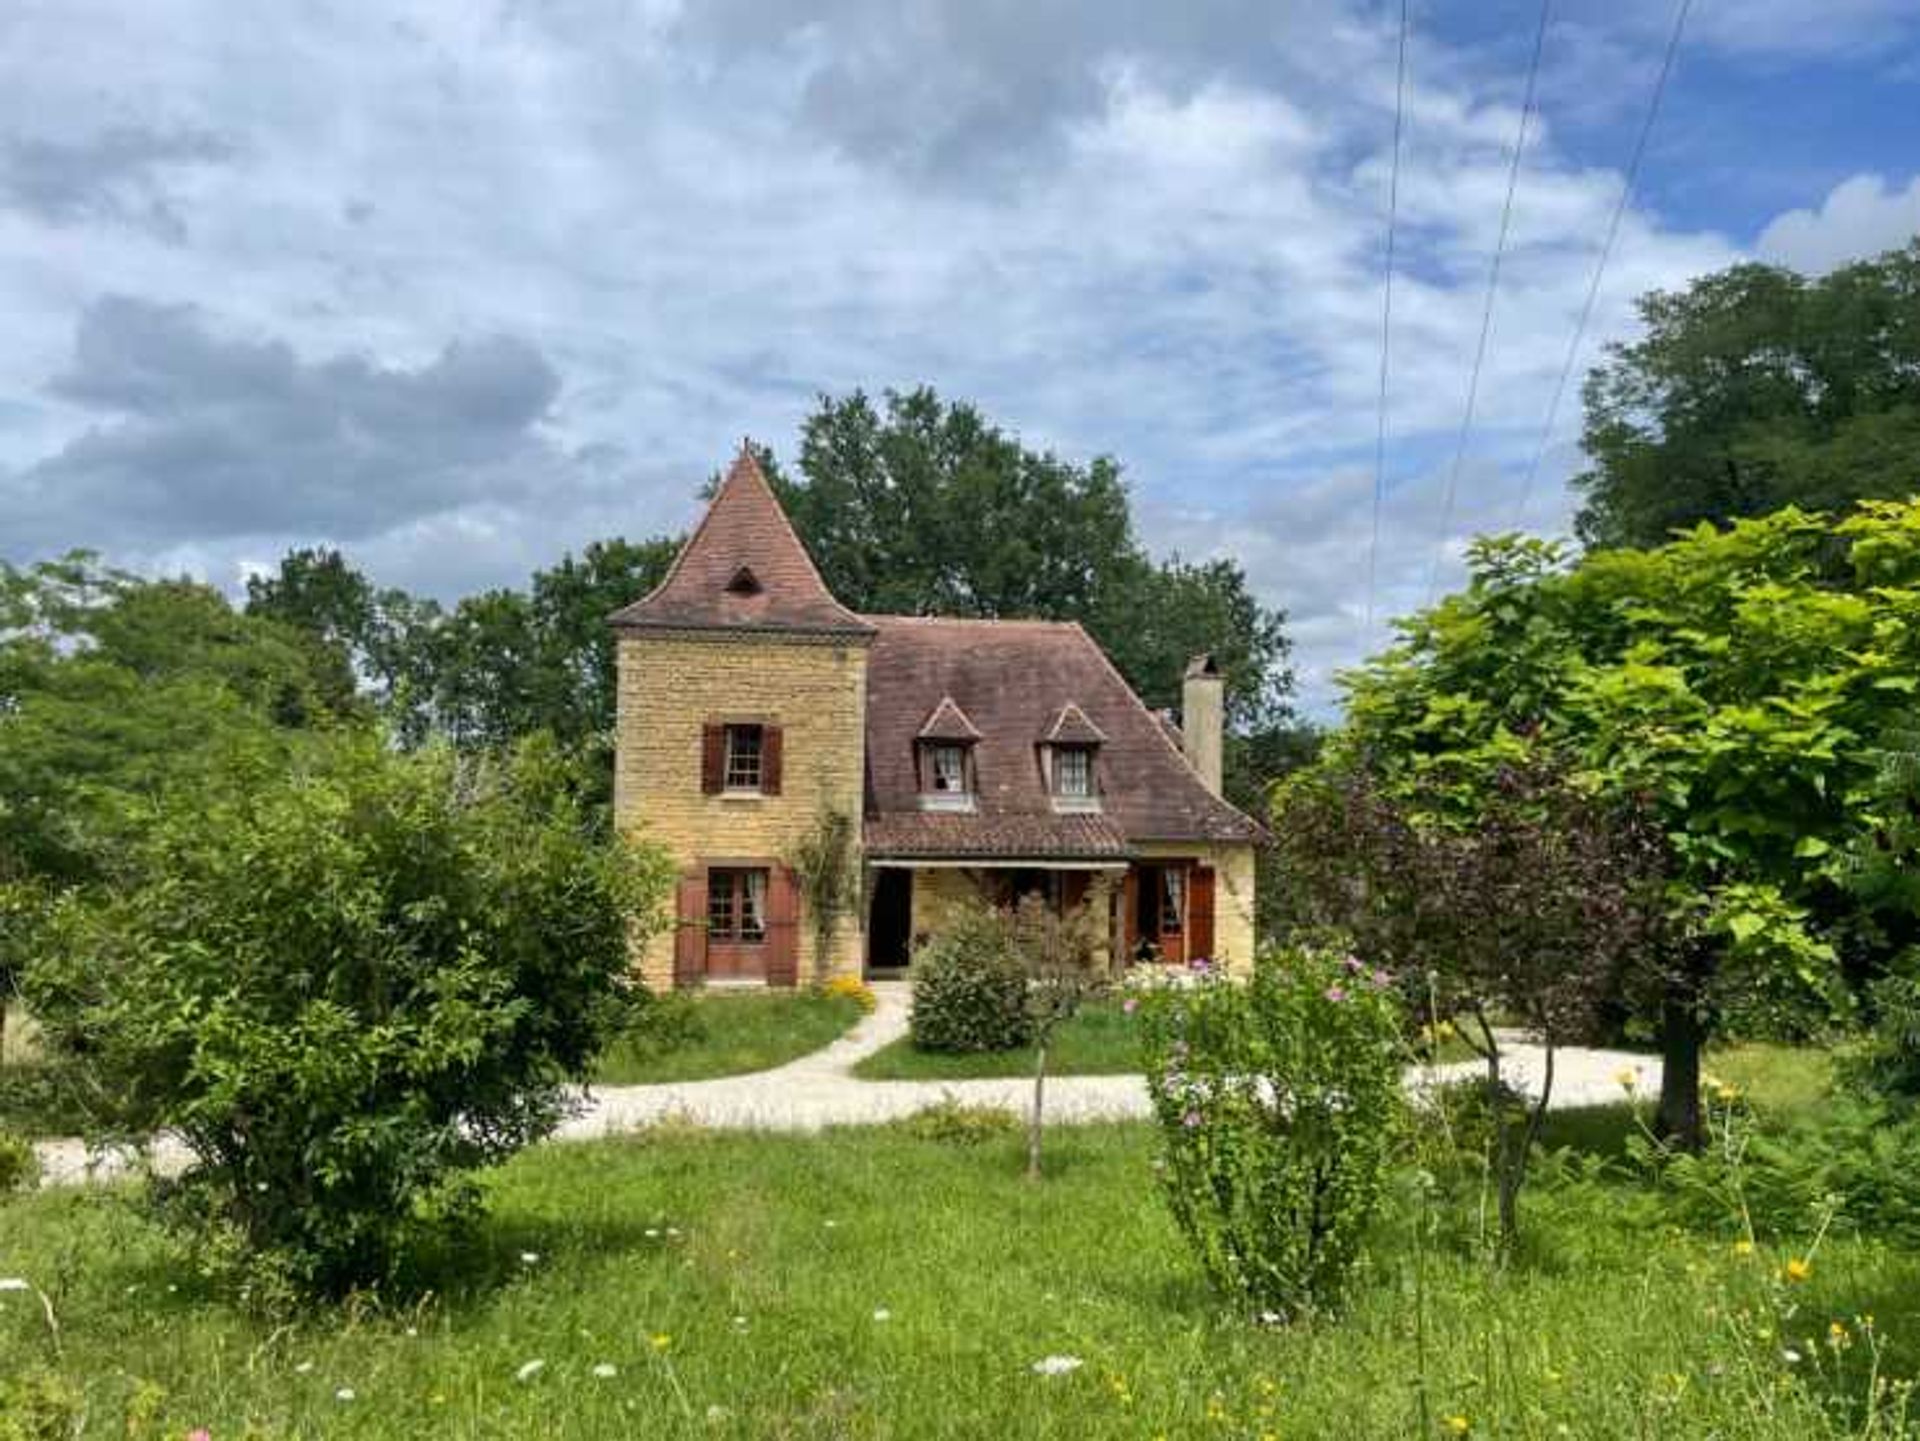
[
  {"x": 1682, "y": 1038},
  {"x": 1514, "y": 1160},
  {"x": 1033, "y": 1122}
]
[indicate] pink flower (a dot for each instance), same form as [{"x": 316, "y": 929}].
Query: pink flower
[
  {"x": 1191, "y": 1120},
  {"x": 1199, "y": 963},
  {"x": 1382, "y": 978},
  {"x": 1130, "y": 1005},
  {"x": 1354, "y": 964},
  {"x": 200, "y": 1433},
  {"x": 1336, "y": 993}
]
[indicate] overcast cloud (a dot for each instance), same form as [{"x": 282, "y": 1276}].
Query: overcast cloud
[{"x": 463, "y": 286}]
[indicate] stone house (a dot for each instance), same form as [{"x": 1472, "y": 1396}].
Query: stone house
[{"x": 978, "y": 759}]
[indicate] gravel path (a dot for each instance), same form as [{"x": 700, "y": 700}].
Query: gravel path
[{"x": 820, "y": 1090}]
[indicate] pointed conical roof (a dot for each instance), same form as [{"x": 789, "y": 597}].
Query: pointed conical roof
[{"x": 743, "y": 568}]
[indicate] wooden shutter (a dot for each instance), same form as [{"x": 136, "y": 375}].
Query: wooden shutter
[
  {"x": 1129, "y": 915},
  {"x": 690, "y": 930},
  {"x": 1200, "y": 893},
  {"x": 783, "y": 928},
  {"x": 713, "y": 759},
  {"x": 770, "y": 749}
]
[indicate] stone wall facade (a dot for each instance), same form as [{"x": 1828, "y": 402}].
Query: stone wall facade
[{"x": 671, "y": 684}]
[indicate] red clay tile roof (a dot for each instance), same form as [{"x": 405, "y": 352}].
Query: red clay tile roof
[
  {"x": 1014, "y": 678},
  {"x": 949, "y": 723},
  {"x": 1072, "y": 728},
  {"x": 744, "y": 529},
  {"x": 961, "y": 835}
]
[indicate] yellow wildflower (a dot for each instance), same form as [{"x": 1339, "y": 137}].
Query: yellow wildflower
[
  {"x": 1743, "y": 1248},
  {"x": 661, "y": 1341},
  {"x": 1458, "y": 1425},
  {"x": 1626, "y": 1078},
  {"x": 1798, "y": 1269}
]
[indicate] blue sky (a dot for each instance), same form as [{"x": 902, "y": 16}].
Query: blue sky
[{"x": 460, "y": 286}]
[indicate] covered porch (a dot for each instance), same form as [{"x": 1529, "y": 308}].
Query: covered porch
[{"x": 1157, "y": 909}]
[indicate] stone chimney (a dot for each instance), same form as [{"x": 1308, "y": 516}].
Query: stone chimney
[{"x": 1203, "y": 708}]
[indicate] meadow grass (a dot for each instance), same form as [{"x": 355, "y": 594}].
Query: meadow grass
[
  {"x": 1100, "y": 1040},
  {"x": 870, "y": 1284},
  {"x": 728, "y": 1033}
]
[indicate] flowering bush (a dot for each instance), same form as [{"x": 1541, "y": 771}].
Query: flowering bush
[
  {"x": 852, "y": 988},
  {"x": 1278, "y": 1102}
]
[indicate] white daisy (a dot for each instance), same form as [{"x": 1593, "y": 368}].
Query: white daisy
[
  {"x": 529, "y": 1370},
  {"x": 882, "y": 1314},
  {"x": 344, "y": 1394},
  {"x": 606, "y": 1370},
  {"x": 14, "y": 1283},
  {"x": 1056, "y": 1365}
]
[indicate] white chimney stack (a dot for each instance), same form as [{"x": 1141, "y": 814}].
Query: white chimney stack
[{"x": 1203, "y": 716}]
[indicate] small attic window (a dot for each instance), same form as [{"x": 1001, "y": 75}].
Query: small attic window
[{"x": 744, "y": 582}]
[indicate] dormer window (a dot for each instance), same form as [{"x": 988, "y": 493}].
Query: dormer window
[
  {"x": 1070, "y": 748},
  {"x": 1073, "y": 772},
  {"x": 744, "y": 582},
  {"x": 947, "y": 767},
  {"x": 946, "y": 776},
  {"x": 944, "y": 754}
]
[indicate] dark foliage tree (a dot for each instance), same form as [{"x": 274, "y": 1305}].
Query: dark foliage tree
[
  {"x": 1539, "y": 907},
  {"x": 1752, "y": 389}
]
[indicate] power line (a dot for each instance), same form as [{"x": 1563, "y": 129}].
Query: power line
[
  {"x": 1486, "y": 314},
  {"x": 1386, "y": 328},
  {"x": 1606, "y": 252}
]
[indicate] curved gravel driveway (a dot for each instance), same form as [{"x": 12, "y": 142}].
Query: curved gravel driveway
[{"x": 820, "y": 1090}]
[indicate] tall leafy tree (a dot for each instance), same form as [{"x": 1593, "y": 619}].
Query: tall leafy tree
[
  {"x": 114, "y": 690},
  {"x": 924, "y": 507},
  {"x": 1736, "y": 681},
  {"x": 381, "y": 634},
  {"x": 1752, "y": 389}
]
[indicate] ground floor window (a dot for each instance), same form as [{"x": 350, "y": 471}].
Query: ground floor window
[
  {"x": 737, "y": 905},
  {"x": 1173, "y": 899}
]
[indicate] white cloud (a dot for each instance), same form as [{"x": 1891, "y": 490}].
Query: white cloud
[
  {"x": 1860, "y": 217},
  {"x": 1132, "y": 228}
]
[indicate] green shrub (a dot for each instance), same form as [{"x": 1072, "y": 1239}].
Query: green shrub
[
  {"x": 1278, "y": 1103},
  {"x": 19, "y": 1167},
  {"x": 346, "y": 985},
  {"x": 970, "y": 987},
  {"x": 40, "y": 1405},
  {"x": 1885, "y": 1064},
  {"x": 1851, "y": 1162},
  {"x": 954, "y": 1122}
]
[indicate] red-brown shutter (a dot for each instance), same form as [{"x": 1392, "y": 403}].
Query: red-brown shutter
[
  {"x": 690, "y": 930},
  {"x": 783, "y": 928},
  {"x": 1130, "y": 915},
  {"x": 713, "y": 759},
  {"x": 1200, "y": 892},
  {"x": 770, "y": 760}
]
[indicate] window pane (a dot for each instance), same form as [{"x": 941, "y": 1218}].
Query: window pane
[
  {"x": 743, "y": 758},
  {"x": 720, "y": 905},
  {"x": 949, "y": 769},
  {"x": 1072, "y": 771},
  {"x": 753, "y": 915},
  {"x": 1173, "y": 899}
]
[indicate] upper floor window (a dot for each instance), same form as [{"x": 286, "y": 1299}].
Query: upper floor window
[
  {"x": 740, "y": 758},
  {"x": 744, "y": 753},
  {"x": 946, "y": 775},
  {"x": 1073, "y": 772}
]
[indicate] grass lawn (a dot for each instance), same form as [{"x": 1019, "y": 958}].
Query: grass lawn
[
  {"x": 730, "y": 1033},
  {"x": 1100, "y": 1041},
  {"x": 868, "y": 1284}
]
